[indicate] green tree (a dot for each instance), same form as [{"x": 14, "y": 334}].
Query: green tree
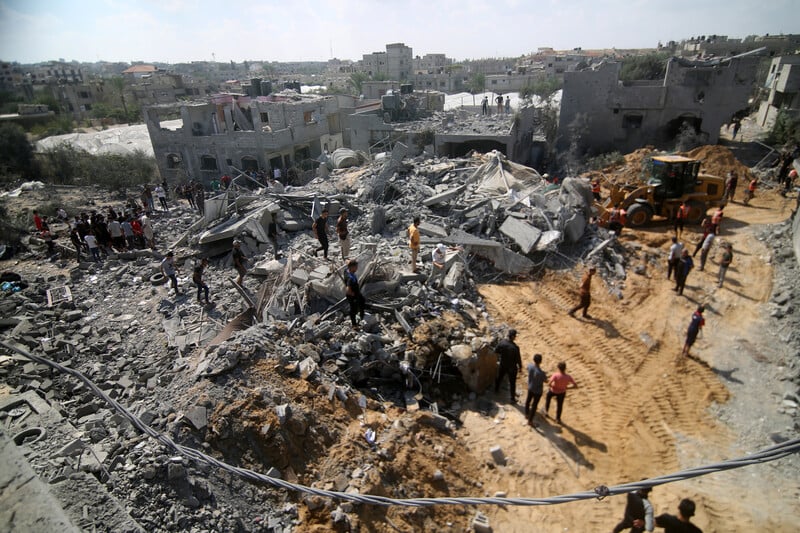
[
  {"x": 647, "y": 67},
  {"x": 118, "y": 83},
  {"x": 544, "y": 89},
  {"x": 380, "y": 76},
  {"x": 356, "y": 81},
  {"x": 477, "y": 83},
  {"x": 16, "y": 152},
  {"x": 785, "y": 130}
]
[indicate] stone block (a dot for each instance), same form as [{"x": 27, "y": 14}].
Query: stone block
[
  {"x": 480, "y": 523},
  {"x": 197, "y": 417},
  {"x": 497, "y": 455}
]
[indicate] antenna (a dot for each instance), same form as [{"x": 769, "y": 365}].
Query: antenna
[
  {"x": 331, "y": 43},
  {"x": 213, "y": 57}
]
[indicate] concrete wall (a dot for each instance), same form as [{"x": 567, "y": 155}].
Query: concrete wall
[
  {"x": 626, "y": 116},
  {"x": 293, "y": 130}
]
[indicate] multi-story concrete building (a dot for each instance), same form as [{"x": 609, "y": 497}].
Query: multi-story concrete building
[
  {"x": 431, "y": 64},
  {"x": 399, "y": 61},
  {"x": 54, "y": 72},
  {"x": 615, "y": 115},
  {"x": 722, "y": 45},
  {"x": 396, "y": 63},
  {"x": 228, "y": 131},
  {"x": 783, "y": 82}
]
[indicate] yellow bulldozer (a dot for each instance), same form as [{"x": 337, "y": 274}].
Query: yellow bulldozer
[{"x": 669, "y": 181}]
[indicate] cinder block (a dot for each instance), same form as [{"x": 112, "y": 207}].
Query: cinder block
[
  {"x": 480, "y": 523},
  {"x": 498, "y": 455}
]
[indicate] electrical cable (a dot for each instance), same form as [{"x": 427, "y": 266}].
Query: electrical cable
[{"x": 771, "y": 453}]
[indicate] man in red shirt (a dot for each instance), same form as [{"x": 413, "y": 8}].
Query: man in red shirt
[
  {"x": 694, "y": 328},
  {"x": 37, "y": 221},
  {"x": 559, "y": 383}
]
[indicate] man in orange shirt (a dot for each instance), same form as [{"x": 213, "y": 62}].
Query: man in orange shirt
[
  {"x": 413, "y": 242},
  {"x": 559, "y": 383},
  {"x": 586, "y": 294},
  {"x": 681, "y": 214}
]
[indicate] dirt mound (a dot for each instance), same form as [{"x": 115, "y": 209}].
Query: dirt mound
[{"x": 716, "y": 160}]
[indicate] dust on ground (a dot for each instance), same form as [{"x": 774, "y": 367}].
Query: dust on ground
[{"x": 640, "y": 410}]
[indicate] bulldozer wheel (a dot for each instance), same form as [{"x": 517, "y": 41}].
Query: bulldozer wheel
[
  {"x": 697, "y": 210},
  {"x": 639, "y": 215}
]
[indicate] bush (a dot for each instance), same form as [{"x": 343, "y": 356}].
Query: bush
[
  {"x": 68, "y": 165},
  {"x": 785, "y": 130},
  {"x": 649, "y": 67},
  {"x": 59, "y": 125}
]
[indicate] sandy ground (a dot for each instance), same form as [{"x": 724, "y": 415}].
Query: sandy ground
[{"x": 641, "y": 413}]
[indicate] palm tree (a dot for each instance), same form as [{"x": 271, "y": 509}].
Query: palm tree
[
  {"x": 356, "y": 81},
  {"x": 118, "y": 83}
]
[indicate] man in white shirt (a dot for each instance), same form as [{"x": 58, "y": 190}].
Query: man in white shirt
[{"x": 674, "y": 256}]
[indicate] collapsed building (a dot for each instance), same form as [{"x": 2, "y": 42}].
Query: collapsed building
[
  {"x": 607, "y": 114},
  {"x": 225, "y": 133}
]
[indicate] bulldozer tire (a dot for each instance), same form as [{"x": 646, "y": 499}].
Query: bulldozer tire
[
  {"x": 697, "y": 210},
  {"x": 639, "y": 215}
]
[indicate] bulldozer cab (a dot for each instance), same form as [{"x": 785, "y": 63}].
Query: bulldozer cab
[{"x": 672, "y": 176}]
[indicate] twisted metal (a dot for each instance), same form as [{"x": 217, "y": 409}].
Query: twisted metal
[{"x": 771, "y": 453}]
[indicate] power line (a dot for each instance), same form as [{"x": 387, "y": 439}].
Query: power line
[{"x": 771, "y": 453}]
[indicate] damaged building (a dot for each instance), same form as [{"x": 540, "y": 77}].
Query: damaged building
[
  {"x": 229, "y": 131},
  {"x": 610, "y": 114}
]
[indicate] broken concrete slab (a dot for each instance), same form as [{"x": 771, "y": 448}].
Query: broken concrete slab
[{"x": 521, "y": 233}]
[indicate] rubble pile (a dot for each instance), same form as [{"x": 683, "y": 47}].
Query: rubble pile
[{"x": 251, "y": 378}]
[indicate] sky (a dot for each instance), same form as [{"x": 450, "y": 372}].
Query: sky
[{"x": 174, "y": 31}]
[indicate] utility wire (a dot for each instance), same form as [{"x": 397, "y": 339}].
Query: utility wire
[{"x": 771, "y": 453}]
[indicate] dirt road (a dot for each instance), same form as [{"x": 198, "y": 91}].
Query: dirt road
[{"x": 643, "y": 412}]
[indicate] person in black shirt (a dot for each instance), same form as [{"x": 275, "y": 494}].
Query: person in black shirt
[
  {"x": 320, "y": 228},
  {"x": 680, "y": 523},
  {"x": 353, "y": 293},
  {"x": 510, "y": 363}
]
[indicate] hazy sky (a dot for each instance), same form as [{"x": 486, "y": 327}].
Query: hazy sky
[{"x": 295, "y": 30}]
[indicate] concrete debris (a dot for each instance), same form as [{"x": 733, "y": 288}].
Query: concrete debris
[{"x": 124, "y": 326}]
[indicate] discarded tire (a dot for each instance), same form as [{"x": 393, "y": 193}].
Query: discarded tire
[
  {"x": 158, "y": 279},
  {"x": 29, "y": 436}
]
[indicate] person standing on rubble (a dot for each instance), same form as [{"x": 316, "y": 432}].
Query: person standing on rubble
[
  {"x": 413, "y": 242},
  {"x": 272, "y": 234},
  {"x": 559, "y": 383},
  {"x": 147, "y": 199},
  {"x": 485, "y": 106},
  {"x": 439, "y": 266},
  {"x": 536, "y": 379},
  {"x": 170, "y": 271},
  {"x": 499, "y": 101},
  {"x": 695, "y": 325},
  {"x": 343, "y": 233},
  {"x": 239, "y": 261},
  {"x": 162, "y": 197},
  {"x": 320, "y": 228},
  {"x": 510, "y": 363},
  {"x": 353, "y": 293},
  {"x": 586, "y": 294},
  {"x": 197, "y": 278}
]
